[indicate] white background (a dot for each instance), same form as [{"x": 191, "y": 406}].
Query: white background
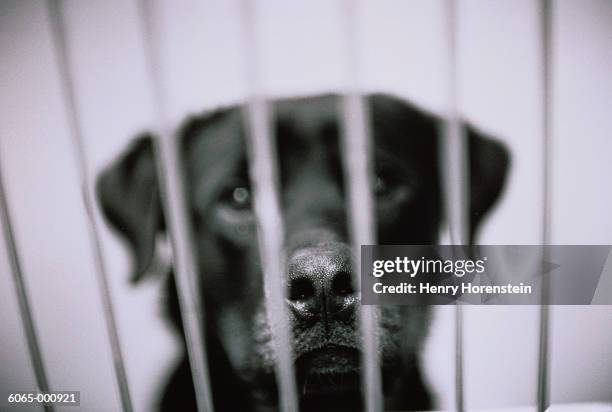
[{"x": 403, "y": 52}]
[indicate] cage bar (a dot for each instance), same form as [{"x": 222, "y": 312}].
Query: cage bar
[
  {"x": 545, "y": 10},
  {"x": 358, "y": 166},
  {"x": 60, "y": 48},
  {"x": 173, "y": 197},
  {"x": 23, "y": 301},
  {"x": 263, "y": 174},
  {"x": 456, "y": 184}
]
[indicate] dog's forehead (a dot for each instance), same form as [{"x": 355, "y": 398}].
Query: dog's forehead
[
  {"x": 308, "y": 112},
  {"x": 306, "y": 121},
  {"x": 226, "y": 128}
]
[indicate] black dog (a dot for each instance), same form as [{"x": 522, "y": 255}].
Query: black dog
[{"x": 321, "y": 300}]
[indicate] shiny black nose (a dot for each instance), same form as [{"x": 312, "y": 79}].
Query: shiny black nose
[{"x": 320, "y": 284}]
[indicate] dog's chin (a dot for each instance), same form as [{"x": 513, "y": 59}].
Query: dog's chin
[
  {"x": 328, "y": 378},
  {"x": 331, "y": 391},
  {"x": 328, "y": 360},
  {"x": 329, "y": 374}
]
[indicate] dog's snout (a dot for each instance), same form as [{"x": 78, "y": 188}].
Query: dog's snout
[{"x": 321, "y": 285}]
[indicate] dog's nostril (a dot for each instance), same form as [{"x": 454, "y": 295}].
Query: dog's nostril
[
  {"x": 301, "y": 289},
  {"x": 342, "y": 284}
]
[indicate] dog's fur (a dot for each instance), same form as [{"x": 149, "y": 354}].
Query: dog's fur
[{"x": 321, "y": 300}]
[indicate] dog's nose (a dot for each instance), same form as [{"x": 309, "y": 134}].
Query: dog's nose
[{"x": 320, "y": 284}]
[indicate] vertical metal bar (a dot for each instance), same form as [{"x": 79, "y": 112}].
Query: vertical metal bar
[
  {"x": 358, "y": 165},
  {"x": 60, "y": 46},
  {"x": 173, "y": 197},
  {"x": 456, "y": 179},
  {"x": 459, "y": 399},
  {"x": 25, "y": 309},
  {"x": 263, "y": 173},
  {"x": 545, "y": 10},
  {"x": 457, "y": 190}
]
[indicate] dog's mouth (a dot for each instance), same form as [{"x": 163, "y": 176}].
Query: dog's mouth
[{"x": 331, "y": 370}]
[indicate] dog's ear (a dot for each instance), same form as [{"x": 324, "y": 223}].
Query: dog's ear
[
  {"x": 129, "y": 196},
  {"x": 489, "y": 162}
]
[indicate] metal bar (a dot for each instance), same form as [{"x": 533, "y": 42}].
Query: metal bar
[
  {"x": 60, "y": 46},
  {"x": 173, "y": 197},
  {"x": 263, "y": 173},
  {"x": 358, "y": 166},
  {"x": 456, "y": 154},
  {"x": 459, "y": 398},
  {"x": 456, "y": 179},
  {"x": 546, "y": 79},
  {"x": 25, "y": 309}
]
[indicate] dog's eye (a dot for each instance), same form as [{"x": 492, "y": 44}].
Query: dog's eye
[
  {"x": 380, "y": 186},
  {"x": 385, "y": 184},
  {"x": 392, "y": 188},
  {"x": 241, "y": 196},
  {"x": 237, "y": 195}
]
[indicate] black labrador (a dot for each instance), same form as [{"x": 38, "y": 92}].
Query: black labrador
[{"x": 321, "y": 299}]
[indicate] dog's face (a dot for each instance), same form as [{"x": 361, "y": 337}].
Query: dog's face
[{"x": 321, "y": 302}]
